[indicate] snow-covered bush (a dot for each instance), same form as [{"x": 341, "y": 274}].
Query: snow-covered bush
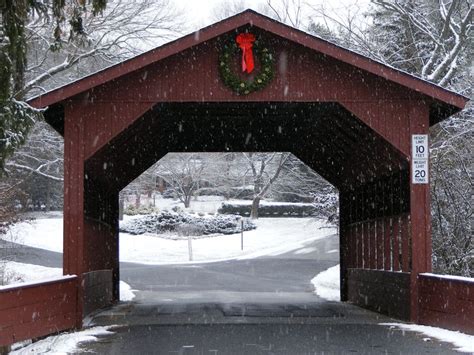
[
  {"x": 8, "y": 276},
  {"x": 185, "y": 224},
  {"x": 188, "y": 229},
  {"x": 133, "y": 211}
]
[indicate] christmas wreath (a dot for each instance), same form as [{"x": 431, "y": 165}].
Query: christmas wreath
[{"x": 247, "y": 45}]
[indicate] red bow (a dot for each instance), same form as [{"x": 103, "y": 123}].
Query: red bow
[{"x": 245, "y": 42}]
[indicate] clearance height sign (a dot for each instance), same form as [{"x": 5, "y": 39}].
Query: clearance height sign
[{"x": 420, "y": 159}]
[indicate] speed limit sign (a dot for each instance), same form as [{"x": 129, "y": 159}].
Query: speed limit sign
[{"x": 420, "y": 158}]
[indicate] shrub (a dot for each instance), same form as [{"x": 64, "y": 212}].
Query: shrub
[
  {"x": 188, "y": 229},
  {"x": 273, "y": 210},
  {"x": 133, "y": 211},
  {"x": 185, "y": 224}
]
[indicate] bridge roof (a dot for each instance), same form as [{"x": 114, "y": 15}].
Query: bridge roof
[{"x": 447, "y": 102}]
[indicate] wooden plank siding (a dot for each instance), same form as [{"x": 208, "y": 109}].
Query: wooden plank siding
[
  {"x": 35, "y": 310},
  {"x": 446, "y": 302}
]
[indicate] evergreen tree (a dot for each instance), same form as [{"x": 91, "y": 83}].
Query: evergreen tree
[{"x": 17, "y": 117}]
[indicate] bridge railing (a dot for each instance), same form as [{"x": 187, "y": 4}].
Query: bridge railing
[
  {"x": 380, "y": 244},
  {"x": 32, "y": 310},
  {"x": 447, "y": 302}
]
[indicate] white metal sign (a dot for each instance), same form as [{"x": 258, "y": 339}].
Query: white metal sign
[{"x": 420, "y": 159}]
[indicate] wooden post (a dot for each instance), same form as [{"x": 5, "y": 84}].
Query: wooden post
[
  {"x": 420, "y": 218},
  {"x": 190, "y": 247},
  {"x": 73, "y": 225},
  {"x": 241, "y": 234},
  {"x": 343, "y": 243}
]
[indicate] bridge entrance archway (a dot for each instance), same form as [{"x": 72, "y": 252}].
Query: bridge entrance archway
[{"x": 347, "y": 117}]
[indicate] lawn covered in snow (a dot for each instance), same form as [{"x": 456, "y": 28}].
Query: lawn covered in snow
[{"x": 273, "y": 236}]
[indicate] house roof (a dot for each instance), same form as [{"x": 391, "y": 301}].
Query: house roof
[{"x": 448, "y": 102}]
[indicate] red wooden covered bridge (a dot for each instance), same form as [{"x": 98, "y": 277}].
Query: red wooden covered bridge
[{"x": 360, "y": 124}]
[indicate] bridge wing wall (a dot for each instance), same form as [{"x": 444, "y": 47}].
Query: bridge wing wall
[
  {"x": 447, "y": 302},
  {"x": 34, "y": 310}
]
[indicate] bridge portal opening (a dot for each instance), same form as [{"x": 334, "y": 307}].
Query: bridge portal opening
[
  {"x": 369, "y": 173},
  {"x": 235, "y": 229}
]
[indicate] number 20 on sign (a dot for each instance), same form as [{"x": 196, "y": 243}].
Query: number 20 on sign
[{"x": 420, "y": 158}]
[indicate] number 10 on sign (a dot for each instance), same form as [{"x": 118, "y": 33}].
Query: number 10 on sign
[{"x": 420, "y": 158}]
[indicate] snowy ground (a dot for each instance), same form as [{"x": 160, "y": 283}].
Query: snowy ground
[
  {"x": 273, "y": 236},
  {"x": 65, "y": 343},
  {"x": 326, "y": 284}
]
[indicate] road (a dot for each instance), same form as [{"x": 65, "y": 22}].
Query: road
[{"x": 290, "y": 272}]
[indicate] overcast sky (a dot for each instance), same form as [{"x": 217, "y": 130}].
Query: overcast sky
[{"x": 199, "y": 12}]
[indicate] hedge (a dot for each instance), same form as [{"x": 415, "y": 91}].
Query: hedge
[{"x": 273, "y": 210}]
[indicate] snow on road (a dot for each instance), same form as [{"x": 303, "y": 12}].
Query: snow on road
[
  {"x": 274, "y": 236},
  {"x": 462, "y": 342}
]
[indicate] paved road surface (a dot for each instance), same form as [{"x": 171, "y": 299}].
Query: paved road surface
[{"x": 290, "y": 272}]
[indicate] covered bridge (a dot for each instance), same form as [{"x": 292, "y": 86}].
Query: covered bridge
[{"x": 360, "y": 124}]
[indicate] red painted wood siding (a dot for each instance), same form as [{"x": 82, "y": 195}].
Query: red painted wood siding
[
  {"x": 447, "y": 303},
  {"x": 302, "y": 75},
  {"x": 37, "y": 310}
]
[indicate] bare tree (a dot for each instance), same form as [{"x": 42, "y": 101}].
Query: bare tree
[
  {"x": 432, "y": 36},
  {"x": 286, "y": 11},
  {"x": 433, "y": 40},
  {"x": 42, "y": 155},
  {"x": 126, "y": 28},
  {"x": 227, "y": 8},
  {"x": 448, "y": 29},
  {"x": 265, "y": 168},
  {"x": 452, "y": 195},
  {"x": 183, "y": 172}
]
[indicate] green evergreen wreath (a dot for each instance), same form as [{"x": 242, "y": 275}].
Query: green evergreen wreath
[{"x": 233, "y": 81}]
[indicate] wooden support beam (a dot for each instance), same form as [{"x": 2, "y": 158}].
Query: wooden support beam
[
  {"x": 387, "y": 249},
  {"x": 73, "y": 225},
  {"x": 420, "y": 216}
]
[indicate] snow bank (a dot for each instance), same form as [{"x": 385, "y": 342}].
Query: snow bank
[
  {"x": 63, "y": 343},
  {"x": 126, "y": 292},
  {"x": 326, "y": 284},
  {"x": 461, "y": 341}
]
